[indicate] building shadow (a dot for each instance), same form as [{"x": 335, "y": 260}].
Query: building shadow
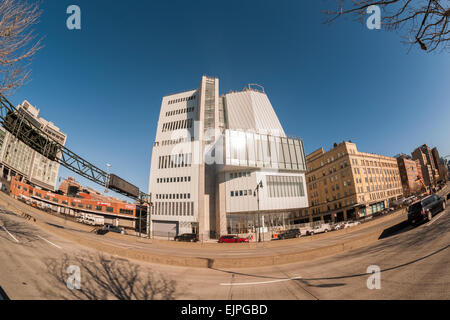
[
  {"x": 396, "y": 229},
  {"x": 105, "y": 277},
  {"x": 3, "y": 295}
]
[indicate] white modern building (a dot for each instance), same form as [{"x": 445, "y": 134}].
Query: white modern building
[
  {"x": 211, "y": 152},
  {"x": 18, "y": 159}
]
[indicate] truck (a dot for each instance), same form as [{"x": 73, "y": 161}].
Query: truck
[
  {"x": 319, "y": 229},
  {"x": 91, "y": 219}
]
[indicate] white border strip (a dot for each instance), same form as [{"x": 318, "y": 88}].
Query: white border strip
[
  {"x": 10, "y": 234},
  {"x": 257, "y": 283},
  {"x": 50, "y": 242}
]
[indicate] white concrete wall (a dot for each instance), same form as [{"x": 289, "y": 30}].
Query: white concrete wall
[
  {"x": 252, "y": 110},
  {"x": 249, "y": 202},
  {"x": 189, "y": 187}
]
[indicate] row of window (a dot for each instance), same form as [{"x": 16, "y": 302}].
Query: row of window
[
  {"x": 241, "y": 193},
  {"x": 174, "y": 141},
  {"x": 361, "y": 162},
  {"x": 259, "y": 150},
  {"x": 182, "y": 99},
  {"x": 234, "y": 175},
  {"x": 382, "y": 195},
  {"x": 177, "y": 196},
  {"x": 328, "y": 160},
  {"x": 82, "y": 206},
  {"x": 358, "y": 180},
  {"x": 380, "y": 164},
  {"x": 378, "y": 187},
  {"x": 360, "y": 190},
  {"x": 175, "y": 125},
  {"x": 335, "y": 206},
  {"x": 330, "y": 171},
  {"x": 173, "y": 208},
  {"x": 179, "y": 111},
  {"x": 175, "y": 161},
  {"x": 375, "y": 171},
  {"x": 356, "y": 171},
  {"x": 173, "y": 179},
  {"x": 335, "y": 197},
  {"x": 58, "y": 137}
]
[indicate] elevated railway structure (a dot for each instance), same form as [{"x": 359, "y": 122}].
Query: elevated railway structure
[{"x": 28, "y": 132}]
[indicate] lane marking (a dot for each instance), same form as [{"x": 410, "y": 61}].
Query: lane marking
[
  {"x": 435, "y": 219},
  {"x": 50, "y": 242},
  {"x": 260, "y": 282},
  {"x": 10, "y": 234}
]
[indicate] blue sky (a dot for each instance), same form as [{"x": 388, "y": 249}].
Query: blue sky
[{"x": 103, "y": 84}]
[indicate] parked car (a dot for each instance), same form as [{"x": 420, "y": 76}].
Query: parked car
[
  {"x": 319, "y": 229},
  {"x": 351, "y": 224},
  {"x": 289, "y": 234},
  {"x": 187, "y": 237},
  {"x": 106, "y": 228},
  {"x": 425, "y": 209},
  {"x": 101, "y": 231},
  {"x": 232, "y": 239},
  {"x": 337, "y": 226},
  {"x": 113, "y": 229}
]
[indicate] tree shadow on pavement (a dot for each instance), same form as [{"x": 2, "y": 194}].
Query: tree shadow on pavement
[
  {"x": 25, "y": 233},
  {"x": 105, "y": 277}
]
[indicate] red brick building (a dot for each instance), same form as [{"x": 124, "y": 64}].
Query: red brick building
[{"x": 410, "y": 175}]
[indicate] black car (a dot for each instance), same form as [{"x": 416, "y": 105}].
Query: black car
[
  {"x": 107, "y": 228},
  {"x": 113, "y": 228},
  {"x": 289, "y": 234},
  {"x": 187, "y": 237},
  {"x": 425, "y": 209}
]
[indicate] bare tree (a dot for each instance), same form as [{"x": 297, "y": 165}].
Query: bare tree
[
  {"x": 422, "y": 22},
  {"x": 18, "y": 42}
]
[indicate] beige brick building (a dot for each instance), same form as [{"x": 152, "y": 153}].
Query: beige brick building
[
  {"x": 19, "y": 160},
  {"x": 345, "y": 184}
]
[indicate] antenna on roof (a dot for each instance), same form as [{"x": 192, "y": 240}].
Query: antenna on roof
[{"x": 257, "y": 85}]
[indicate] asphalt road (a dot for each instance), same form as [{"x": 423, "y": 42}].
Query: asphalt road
[
  {"x": 208, "y": 251},
  {"x": 413, "y": 263}
]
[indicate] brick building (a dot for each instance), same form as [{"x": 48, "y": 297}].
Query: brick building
[{"x": 345, "y": 184}]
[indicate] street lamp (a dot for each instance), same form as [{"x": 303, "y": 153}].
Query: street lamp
[{"x": 256, "y": 193}]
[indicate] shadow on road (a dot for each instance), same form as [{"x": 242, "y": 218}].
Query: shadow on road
[
  {"x": 25, "y": 233},
  {"x": 394, "y": 230},
  {"x": 305, "y": 280},
  {"x": 3, "y": 295},
  {"x": 387, "y": 269},
  {"x": 106, "y": 277}
]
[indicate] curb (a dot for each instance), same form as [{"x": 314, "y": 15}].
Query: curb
[
  {"x": 234, "y": 262},
  {"x": 244, "y": 262}
]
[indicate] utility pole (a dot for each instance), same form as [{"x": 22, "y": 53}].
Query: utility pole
[
  {"x": 256, "y": 193},
  {"x": 140, "y": 217}
]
